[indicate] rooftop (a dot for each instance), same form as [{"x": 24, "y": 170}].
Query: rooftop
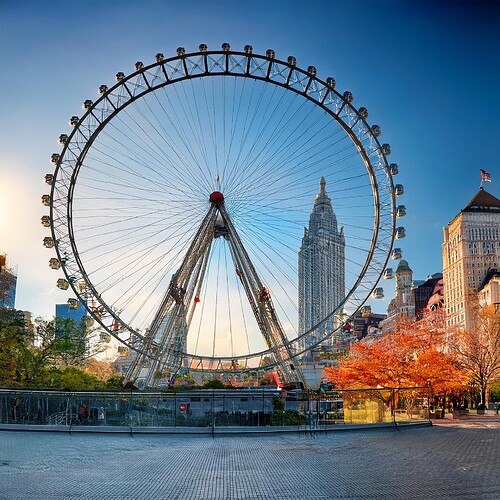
[{"x": 483, "y": 201}]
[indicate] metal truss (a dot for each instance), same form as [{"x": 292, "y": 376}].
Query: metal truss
[{"x": 162, "y": 352}]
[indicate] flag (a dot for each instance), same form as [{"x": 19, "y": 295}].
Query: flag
[{"x": 485, "y": 176}]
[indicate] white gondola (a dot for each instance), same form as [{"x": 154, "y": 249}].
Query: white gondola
[
  {"x": 104, "y": 337},
  {"x": 400, "y": 233},
  {"x": 49, "y": 179},
  {"x": 378, "y": 293},
  {"x": 248, "y": 49},
  {"x": 363, "y": 113},
  {"x": 399, "y": 189},
  {"x": 330, "y": 81},
  {"x": 103, "y": 89},
  {"x": 292, "y": 61},
  {"x": 400, "y": 211},
  {"x": 396, "y": 254},
  {"x": 73, "y": 303},
  {"x": 386, "y": 149},
  {"x": 54, "y": 158},
  {"x": 123, "y": 351},
  {"x": 348, "y": 96},
  {"x": 393, "y": 169},
  {"x": 63, "y": 138},
  {"x": 87, "y": 104},
  {"x": 376, "y": 130},
  {"x": 388, "y": 274},
  {"x": 73, "y": 121},
  {"x": 62, "y": 284},
  {"x": 54, "y": 263},
  {"x": 48, "y": 242}
]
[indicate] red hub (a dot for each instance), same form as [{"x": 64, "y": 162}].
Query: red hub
[{"x": 216, "y": 197}]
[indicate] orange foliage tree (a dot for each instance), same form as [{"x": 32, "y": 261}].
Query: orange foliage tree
[
  {"x": 412, "y": 355},
  {"x": 102, "y": 369}
]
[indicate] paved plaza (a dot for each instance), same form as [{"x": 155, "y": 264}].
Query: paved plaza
[{"x": 445, "y": 461}]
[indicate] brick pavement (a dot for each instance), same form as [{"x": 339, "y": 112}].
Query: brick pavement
[{"x": 441, "y": 461}]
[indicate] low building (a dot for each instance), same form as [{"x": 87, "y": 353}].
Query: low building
[
  {"x": 367, "y": 323},
  {"x": 489, "y": 291},
  {"x": 432, "y": 286}
]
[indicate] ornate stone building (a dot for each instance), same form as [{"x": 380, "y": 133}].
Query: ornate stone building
[
  {"x": 403, "y": 303},
  {"x": 471, "y": 251},
  {"x": 321, "y": 268}
]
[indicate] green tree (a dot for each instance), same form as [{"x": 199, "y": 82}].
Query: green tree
[
  {"x": 65, "y": 342},
  {"x": 37, "y": 357},
  {"x": 14, "y": 348}
]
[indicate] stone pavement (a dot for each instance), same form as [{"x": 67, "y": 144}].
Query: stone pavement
[
  {"x": 438, "y": 462},
  {"x": 488, "y": 421}
]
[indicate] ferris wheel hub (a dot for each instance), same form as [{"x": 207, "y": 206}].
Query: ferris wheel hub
[{"x": 216, "y": 198}]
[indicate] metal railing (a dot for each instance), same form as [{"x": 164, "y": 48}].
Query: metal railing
[{"x": 211, "y": 409}]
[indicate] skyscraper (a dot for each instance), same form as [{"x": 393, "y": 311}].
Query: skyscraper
[
  {"x": 471, "y": 253},
  {"x": 321, "y": 269},
  {"x": 63, "y": 311}
]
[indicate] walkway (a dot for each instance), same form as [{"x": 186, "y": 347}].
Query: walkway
[{"x": 443, "y": 461}]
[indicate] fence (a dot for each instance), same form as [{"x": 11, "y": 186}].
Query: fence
[{"x": 211, "y": 409}]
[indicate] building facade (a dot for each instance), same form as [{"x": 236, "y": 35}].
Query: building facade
[
  {"x": 63, "y": 311},
  {"x": 403, "y": 303},
  {"x": 321, "y": 270},
  {"x": 432, "y": 287},
  {"x": 367, "y": 323},
  {"x": 471, "y": 250},
  {"x": 8, "y": 284}
]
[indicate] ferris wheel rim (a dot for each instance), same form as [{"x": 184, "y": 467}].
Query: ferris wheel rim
[{"x": 304, "y": 93}]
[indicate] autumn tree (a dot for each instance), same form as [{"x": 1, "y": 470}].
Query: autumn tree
[
  {"x": 478, "y": 348},
  {"x": 410, "y": 356}
]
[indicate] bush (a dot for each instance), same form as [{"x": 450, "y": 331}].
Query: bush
[{"x": 214, "y": 384}]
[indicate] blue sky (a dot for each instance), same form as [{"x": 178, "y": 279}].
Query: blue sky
[{"x": 429, "y": 73}]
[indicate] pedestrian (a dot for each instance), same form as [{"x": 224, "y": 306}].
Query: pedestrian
[{"x": 84, "y": 413}]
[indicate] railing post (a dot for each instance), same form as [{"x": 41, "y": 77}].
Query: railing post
[
  {"x": 393, "y": 399},
  {"x": 68, "y": 409},
  {"x": 213, "y": 410},
  {"x": 130, "y": 411}
]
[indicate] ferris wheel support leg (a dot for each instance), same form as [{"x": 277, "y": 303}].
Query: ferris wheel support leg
[
  {"x": 262, "y": 306},
  {"x": 170, "y": 326}
]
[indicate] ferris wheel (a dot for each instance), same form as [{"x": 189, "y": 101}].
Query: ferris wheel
[{"x": 179, "y": 200}]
